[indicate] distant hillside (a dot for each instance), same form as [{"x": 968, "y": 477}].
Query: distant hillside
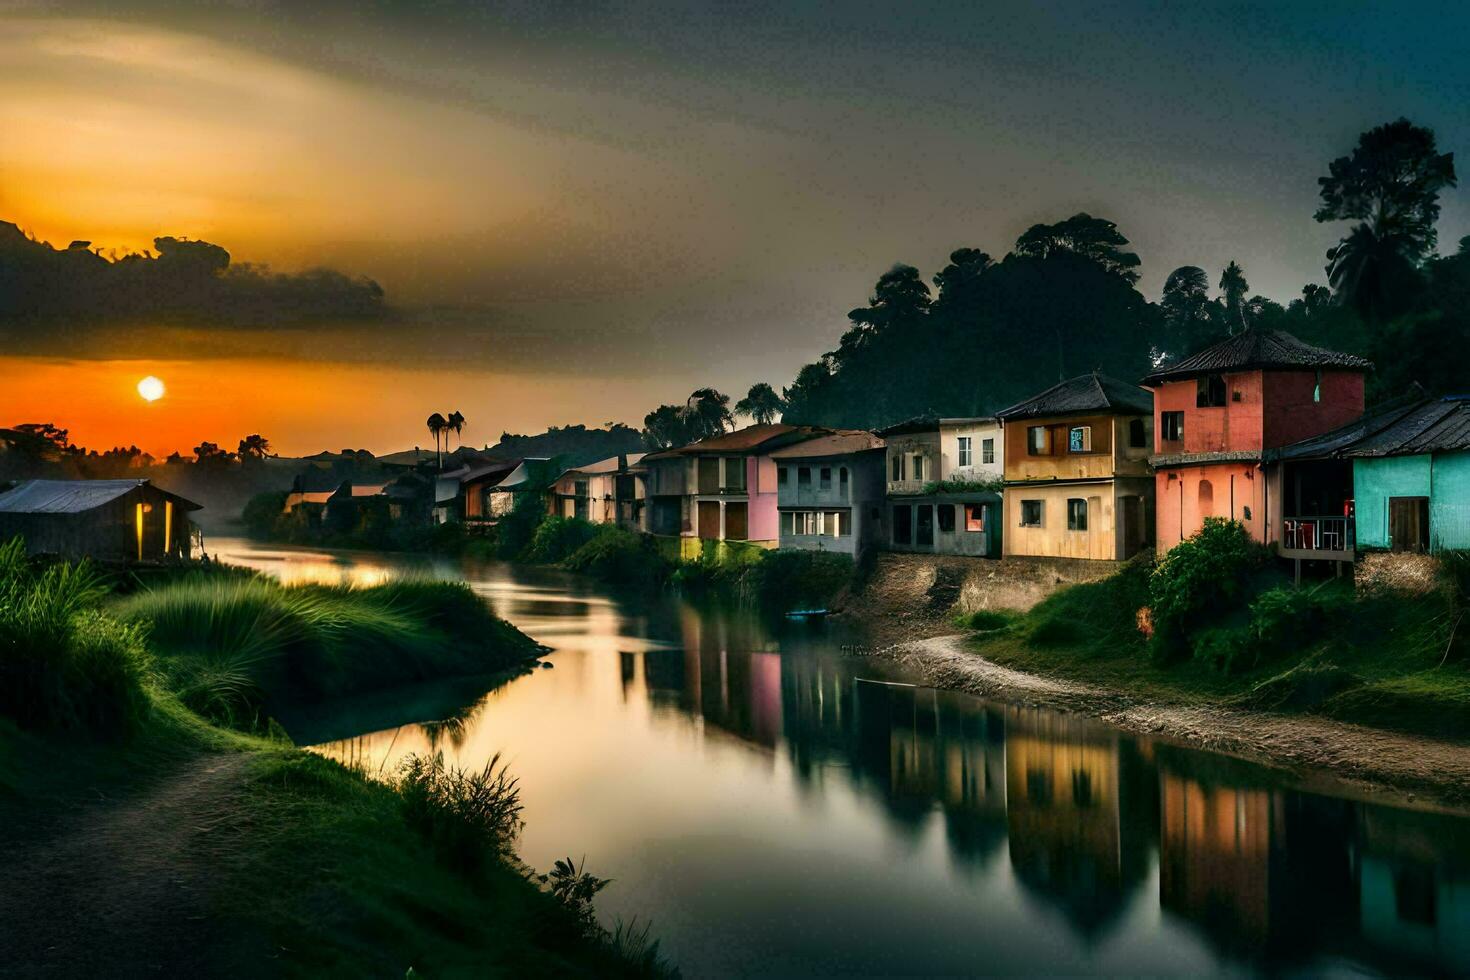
[{"x": 577, "y": 444}]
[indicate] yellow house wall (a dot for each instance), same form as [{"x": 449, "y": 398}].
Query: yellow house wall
[{"x": 1052, "y": 539}]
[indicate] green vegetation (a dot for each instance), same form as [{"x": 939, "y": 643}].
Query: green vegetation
[
  {"x": 112, "y": 703},
  {"x": 234, "y": 647},
  {"x": 964, "y": 486},
  {"x": 1242, "y": 635}
]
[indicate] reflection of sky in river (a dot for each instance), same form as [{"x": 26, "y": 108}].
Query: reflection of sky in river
[{"x": 774, "y": 813}]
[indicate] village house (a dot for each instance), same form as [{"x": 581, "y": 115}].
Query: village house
[
  {"x": 721, "y": 489},
  {"x": 463, "y": 494},
  {"x": 944, "y": 478},
  {"x": 1397, "y": 479},
  {"x": 1218, "y": 415},
  {"x": 829, "y": 492},
  {"x": 1077, "y": 478},
  {"x": 605, "y": 492},
  {"x": 118, "y": 520},
  {"x": 532, "y": 475}
]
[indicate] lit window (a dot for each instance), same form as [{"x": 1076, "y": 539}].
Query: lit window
[
  {"x": 974, "y": 517},
  {"x": 1079, "y": 439},
  {"x": 1031, "y": 513},
  {"x": 1076, "y": 514}
]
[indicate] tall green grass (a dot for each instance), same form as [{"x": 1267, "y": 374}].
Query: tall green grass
[
  {"x": 62, "y": 663},
  {"x": 231, "y": 648}
]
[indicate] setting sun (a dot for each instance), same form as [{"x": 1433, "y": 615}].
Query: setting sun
[{"x": 151, "y": 389}]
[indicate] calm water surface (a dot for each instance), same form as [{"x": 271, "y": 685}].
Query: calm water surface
[{"x": 776, "y": 807}]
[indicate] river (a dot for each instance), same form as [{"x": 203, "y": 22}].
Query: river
[{"x": 776, "y": 806}]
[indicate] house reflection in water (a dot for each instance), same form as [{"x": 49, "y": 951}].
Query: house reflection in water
[
  {"x": 1080, "y": 815},
  {"x": 1265, "y": 874}
]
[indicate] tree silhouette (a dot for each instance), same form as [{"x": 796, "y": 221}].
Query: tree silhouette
[
  {"x": 706, "y": 414},
  {"x": 254, "y": 447},
  {"x": 437, "y": 424},
  {"x": 1233, "y": 288},
  {"x": 456, "y": 422},
  {"x": 761, "y": 404},
  {"x": 1095, "y": 239},
  {"x": 1390, "y": 185}
]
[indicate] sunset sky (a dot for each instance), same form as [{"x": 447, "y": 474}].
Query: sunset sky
[{"x": 579, "y": 212}]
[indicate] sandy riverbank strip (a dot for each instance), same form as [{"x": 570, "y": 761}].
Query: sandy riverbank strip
[{"x": 1366, "y": 762}]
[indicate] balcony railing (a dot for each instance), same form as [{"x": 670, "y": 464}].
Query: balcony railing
[{"x": 1324, "y": 536}]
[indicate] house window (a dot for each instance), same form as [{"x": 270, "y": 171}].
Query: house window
[
  {"x": 826, "y": 478},
  {"x": 1037, "y": 443},
  {"x": 1173, "y": 425},
  {"x": 897, "y": 466},
  {"x": 965, "y": 459},
  {"x": 903, "y": 523},
  {"x": 842, "y": 481},
  {"x": 788, "y": 523},
  {"x": 735, "y": 474},
  {"x": 781, "y": 476},
  {"x": 1137, "y": 434},
  {"x": 844, "y": 524},
  {"x": 987, "y": 451},
  {"x": 1209, "y": 391},
  {"x": 1076, "y": 514},
  {"x": 803, "y": 476},
  {"x": 1079, "y": 439},
  {"x": 918, "y": 467},
  {"x": 946, "y": 518},
  {"x": 1317, "y": 388},
  {"x": 836, "y": 524},
  {"x": 974, "y": 517},
  {"x": 1031, "y": 513}
]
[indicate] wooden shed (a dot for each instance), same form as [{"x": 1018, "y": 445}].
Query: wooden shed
[{"x": 127, "y": 520}]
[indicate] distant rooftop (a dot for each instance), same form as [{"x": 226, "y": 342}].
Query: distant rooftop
[
  {"x": 841, "y": 443},
  {"x": 748, "y": 439},
  {"x": 1257, "y": 349},
  {"x": 1085, "y": 393}
]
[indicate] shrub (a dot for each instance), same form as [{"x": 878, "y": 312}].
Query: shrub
[
  {"x": 261, "y": 513},
  {"x": 465, "y": 814},
  {"x": 1101, "y": 615},
  {"x": 1285, "y": 619},
  {"x": 986, "y": 619},
  {"x": 514, "y": 531},
  {"x": 1228, "y": 649},
  {"x": 62, "y": 663},
  {"x": 623, "y": 558},
  {"x": 1198, "y": 579},
  {"x": 787, "y": 580}
]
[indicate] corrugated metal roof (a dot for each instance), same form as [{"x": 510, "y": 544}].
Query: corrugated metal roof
[
  {"x": 1257, "y": 349},
  {"x": 840, "y": 443},
  {"x": 1329, "y": 445},
  {"x": 1433, "y": 427},
  {"x": 1085, "y": 393},
  {"x": 72, "y": 496}
]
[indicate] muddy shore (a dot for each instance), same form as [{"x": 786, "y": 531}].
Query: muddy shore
[{"x": 1363, "y": 762}]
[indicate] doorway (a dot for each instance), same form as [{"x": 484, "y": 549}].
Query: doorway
[
  {"x": 1408, "y": 524},
  {"x": 924, "y": 526}
]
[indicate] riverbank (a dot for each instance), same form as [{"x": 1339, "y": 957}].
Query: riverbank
[
  {"x": 158, "y": 820},
  {"x": 1378, "y": 763},
  {"x": 1369, "y": 684}
]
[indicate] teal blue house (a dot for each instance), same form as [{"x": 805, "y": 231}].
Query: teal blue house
[{"x": 1411, "y": 479}]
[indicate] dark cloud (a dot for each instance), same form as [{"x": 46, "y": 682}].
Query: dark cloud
[{"x": 180, "y": 283}]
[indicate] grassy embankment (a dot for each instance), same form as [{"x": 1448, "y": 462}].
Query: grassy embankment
[
  {"x": 1222, "y": 624},
  {"x": 312, "y": 868}
]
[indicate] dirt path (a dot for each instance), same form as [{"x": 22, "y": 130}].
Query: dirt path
[
  {"x": 120, "y": 887},
  {"x": 1316, "y": 749}
]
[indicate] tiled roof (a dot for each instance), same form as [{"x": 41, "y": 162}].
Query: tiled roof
[
  {"x": 748, "y": 439},
  {"x": 1257, "y": 349},
  {"x": 1433, "y": 427},
  {"x": 1085, "y": 393},
  {"x": 72, "y": 496},
  {"x": 840, "y": 443}
]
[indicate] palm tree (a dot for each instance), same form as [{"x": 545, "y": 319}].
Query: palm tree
[
  {"x": 761, "y": 404},
  {"x": 1233, "y": 288},
  {"x": 707, "y": 413},
  {"x": 456, "y": 422},
  {"x": 437, "y": 424},
  {"x": 1371, "y": 269}
]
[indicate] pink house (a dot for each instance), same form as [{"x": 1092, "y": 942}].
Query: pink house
[{"x": 721, "y": 489}]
